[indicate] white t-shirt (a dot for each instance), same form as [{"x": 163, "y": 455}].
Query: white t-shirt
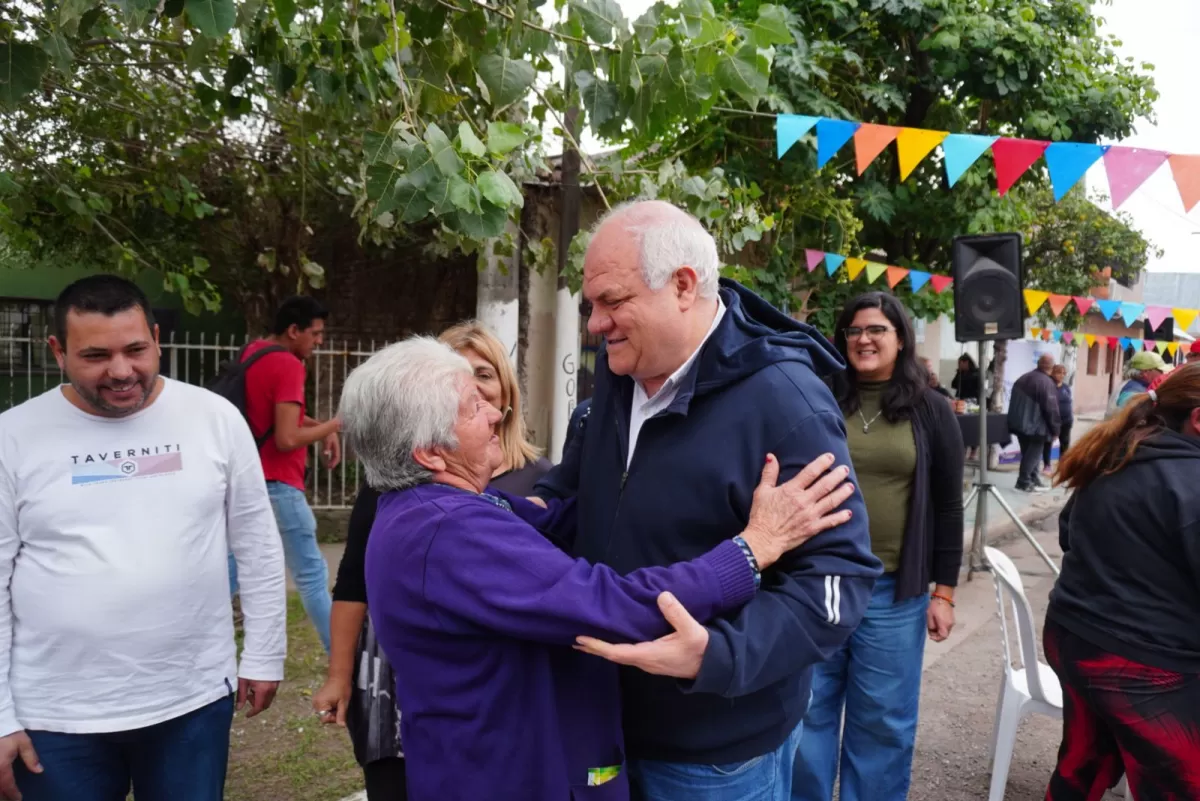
[{"x": 114, "y": 584}]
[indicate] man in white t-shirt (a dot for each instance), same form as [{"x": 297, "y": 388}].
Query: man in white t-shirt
[{"x": 120, "y": 494}]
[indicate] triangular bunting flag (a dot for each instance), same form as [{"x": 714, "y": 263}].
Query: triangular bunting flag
[
  {"x": 1112, "y": 342},
  {"x": 1056, "y": 335},
  {"x": 1034, "y": 300},
  {"x": 1137, "y": 344},
  {"x": 1161, "y": 347},
  {"x": 1132, "y": 311},
  {"x": 812, "y": 258},
  {"x": 1108, "y": 308},
  {"x": 1090, "y": 339},
  {"x": 1186, "y": 170},
  {"x": 832, "y": 262},
  {"x": 854, "y": 267},
  {"x": 896, "y": 275},
  {"x": 1013, "y": 157},
  {"x": 1036, "y": 333},
  {"x": 869, "y": 142},
  {"x": 913, "y": 145},
  {"x": 1083, "y": 304},
  {"x": 941, "y": 283},
  {"x": 1058, "y": 303},
  {"x": 1046, "y": 334},
  {"x": 1068, "y": 337},
  {"x": 1184, "y": 318},
  {"x": 1128, "y": 168},
  {"x": 961, "y": 151},
  {"x": 789, "y": 128},
  {"x": 918, "y": 279},
  {"x": 1068, "y": 162},
  {"x": 1156, "y": 315},
  {"x": 1172, "y": 348},
  {"x": 874, "y": 270},
  {"x": 1148, "y": 344},
  {"x": 1124, "y": 342},
  {"x": 831, "y": 135}
]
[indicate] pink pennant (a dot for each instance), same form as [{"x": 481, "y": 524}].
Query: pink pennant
[
  {"x": 1128, "y": 168},
  {"x": 1068, "y": 337},
  {"x": 1156, "y": 315},
  {"x": 813, "y": 258},
  {"x": 1083, "y": 304}
]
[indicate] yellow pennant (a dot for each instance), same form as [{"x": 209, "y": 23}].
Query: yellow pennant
[
  {"x": 913, "y": 145},
  {"x": 854, "y": 267},
  {"x": 1091, "y": 339},
  {"x": 1036, "y": 333},
  {"x": 1173, "y": 348},
  {"x": 1034, "y": 299},
  {"x": 1184, "y": 318},
  {"x": 874, "y": 270}
]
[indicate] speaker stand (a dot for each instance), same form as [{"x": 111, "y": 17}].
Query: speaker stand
[{"x": 984, "y": 489}]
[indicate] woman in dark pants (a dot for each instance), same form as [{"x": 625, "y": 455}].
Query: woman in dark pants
[
  {"x": 1121, "y": 629},
  {"x": 358, "y": 691},
  {"x": 1066, "y": 413},
  {"x": 908, "y": 452}
]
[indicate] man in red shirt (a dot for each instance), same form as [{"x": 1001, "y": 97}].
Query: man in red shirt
[{"x": 276, "y": 411}]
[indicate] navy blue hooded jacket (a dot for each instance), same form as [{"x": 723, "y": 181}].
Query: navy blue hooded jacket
[{"x": 755, "y": 389}]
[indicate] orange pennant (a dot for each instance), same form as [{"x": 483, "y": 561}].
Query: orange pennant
[
  {"x": 869, "y": 141},
  {"x": 854, "y": 267},
  {"x": 1058, "y": 303},
  {"x": 896, "y": 275},
  {"x": 913, "y": 145},
  {"x": 1186, "y": 170}
]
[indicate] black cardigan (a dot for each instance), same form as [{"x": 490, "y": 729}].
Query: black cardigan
[{"x": 933, "y": 535}]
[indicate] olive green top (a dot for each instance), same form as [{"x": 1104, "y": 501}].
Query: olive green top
[{"x": 884, "y": 457}]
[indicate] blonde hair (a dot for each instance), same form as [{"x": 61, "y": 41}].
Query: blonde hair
[{"x": 514, "y": 438}]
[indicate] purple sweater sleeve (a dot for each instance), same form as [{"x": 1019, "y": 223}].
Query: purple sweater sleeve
[{"x": 487, "y": 567}]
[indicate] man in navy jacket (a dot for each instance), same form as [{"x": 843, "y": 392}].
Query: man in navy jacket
[{"x": 699, "y": 380}]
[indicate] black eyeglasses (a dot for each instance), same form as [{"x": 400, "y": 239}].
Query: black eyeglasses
[{"x": 872, "y": 331}]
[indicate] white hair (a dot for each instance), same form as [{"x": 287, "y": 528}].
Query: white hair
[
  {"x": 403, "y": 398},
  {"x": 668, "y": 238}
]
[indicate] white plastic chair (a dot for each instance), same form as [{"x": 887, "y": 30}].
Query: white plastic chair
[{"x": 1023, "y": 691}]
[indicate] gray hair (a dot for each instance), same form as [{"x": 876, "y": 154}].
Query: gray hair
[
  {"x": 668, "y": 238},
  {"x": 403, "y": 398}
]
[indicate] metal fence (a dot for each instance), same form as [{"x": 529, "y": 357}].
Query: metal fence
[{"x": 28, "y": 368}]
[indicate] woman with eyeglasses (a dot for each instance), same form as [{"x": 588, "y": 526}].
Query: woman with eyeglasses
[{"x": 908, "y": 452}]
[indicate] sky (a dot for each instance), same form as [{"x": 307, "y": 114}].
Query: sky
[{"x": 1166, "y": 34}]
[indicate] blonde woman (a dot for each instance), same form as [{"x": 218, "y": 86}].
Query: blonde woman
[{"x": 358, "y": 690}]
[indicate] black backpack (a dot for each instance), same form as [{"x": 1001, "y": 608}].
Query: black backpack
[{"x": 230, "y": 383}]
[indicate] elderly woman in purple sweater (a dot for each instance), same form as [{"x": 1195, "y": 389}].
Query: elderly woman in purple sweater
[{"x": 477, "y": 607}]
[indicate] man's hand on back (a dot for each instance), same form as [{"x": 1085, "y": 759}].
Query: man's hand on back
[{"x": 13, "y": 746}]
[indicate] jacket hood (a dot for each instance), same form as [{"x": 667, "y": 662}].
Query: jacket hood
[
  {"x": 754, "y": 335},
  {"x": 1167, "y": 445}
]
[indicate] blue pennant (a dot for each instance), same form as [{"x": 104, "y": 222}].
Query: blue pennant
[
  {"x": 919, "y": 279},
  {"x": 1057, "y": 336},
  {"x": 1068, "y": 162},
  {"x": 789, "y": 128},
  {"x": 1138, "y": 345},
  {"x": 1124, "y": 343},
  {"x": 1108, "y": 308},
  {"x": 832, "y": 262},
  {"x": 1132, "y": 311},
  {"x": 963, "y": 150},
  {"x": 831, "y": 135}
]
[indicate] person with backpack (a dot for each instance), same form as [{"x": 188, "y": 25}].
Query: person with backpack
[{"x": 267, "y": 383}]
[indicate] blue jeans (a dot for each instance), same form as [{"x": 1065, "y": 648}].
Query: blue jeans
[
  {"x": 764, "y": 778},
  {"x": 179, "y": 760},
  {"x": 305, "y": 562},
  {"x": 876, "y": 678}
]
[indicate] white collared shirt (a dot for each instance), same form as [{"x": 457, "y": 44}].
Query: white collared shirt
[{"x": 644, "y": 407}]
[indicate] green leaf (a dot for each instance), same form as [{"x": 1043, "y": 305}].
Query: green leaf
[
  {"x": 70, "y": 12},
  {"x": 379, "y": 148},
  {"x": 213, "y": 18},
  {"x": 199, "y": 264},
  {"x": 283, "y": 76},
  {"x": 507, "y": 79},
  {"x": 326, "y": 83},
  {"x": 441, "y": 150},
  {"x": 285, "y": 12},
  {"x": 57, "y": 47},
  {"x": 500, "y": 189},
  {"x": 487, "y": 224},
  {"x": 197, "y": 52},
  {"x": 468, "y": 142},
  {"x": 21, "y": 69},
  {"x": 645, "y": 27},
  {"x": 600, "y": 100},
  {"x": 771, "y": 27},
  {"x": 692, "y": 14},
  {"x": 453, "y": 193},
  {"x": 172, "y": 8},
  {"x": 599, "y": 18},
  {"x": 238, "y": 70},
  {"x": 421, "y": 169},
  {"x": 742, "y": 75},
  {"x": 410, "y": 201},
  {"x": 7, "y": 185},
  {"x": 504, "y": 137}
]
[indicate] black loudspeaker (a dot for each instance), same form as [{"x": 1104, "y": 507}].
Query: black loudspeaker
[
  {"x": 988, "y": 279},
  {"x": 1164, "y": 333}
]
